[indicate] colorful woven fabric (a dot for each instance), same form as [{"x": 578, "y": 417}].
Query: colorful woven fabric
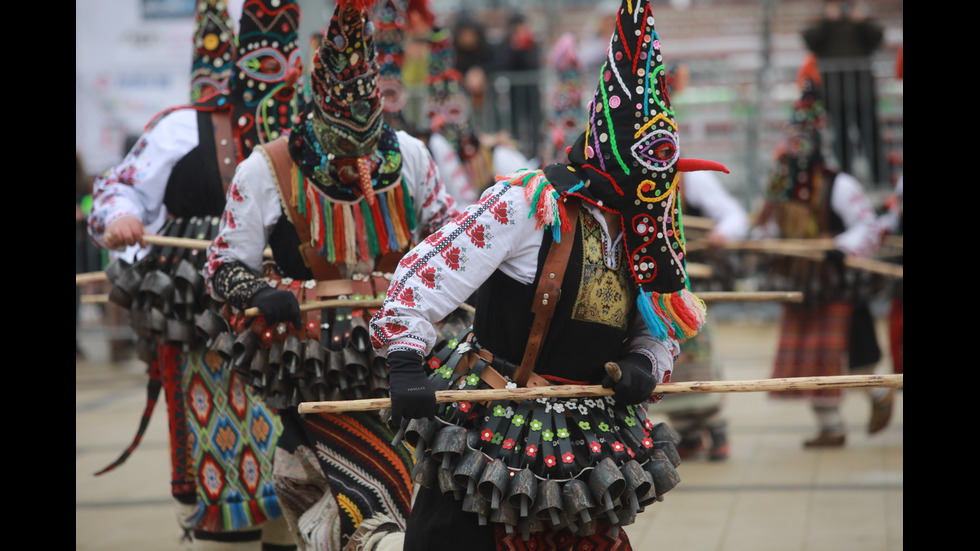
[
  {"x": 813, "y": 342},
  {"x": 367, "y": 475},
  {"x": 233, "y": 435}
]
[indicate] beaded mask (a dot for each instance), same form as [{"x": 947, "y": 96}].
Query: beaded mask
[
  {"x": 628, "y": 161},
  {"x": 268, "y": 65},
  {"x": 212, "y": 59},
  {"x": 446, "y": 107}
]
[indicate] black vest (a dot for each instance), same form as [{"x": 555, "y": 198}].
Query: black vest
[
  {"x": 591, "y": 320},
  {"x": 194, "y": 187}
]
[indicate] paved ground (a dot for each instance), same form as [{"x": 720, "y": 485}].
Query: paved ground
[{"x": 770, "y": 494}]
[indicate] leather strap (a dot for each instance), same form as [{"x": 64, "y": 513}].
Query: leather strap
[
  {"x": 277, "y": 155},
  {"x": 224, "y": 146},
  {"x": 547, "y": 294}
]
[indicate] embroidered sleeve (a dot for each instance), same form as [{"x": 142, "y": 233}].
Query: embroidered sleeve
[
  {"x": 136, "y": 186},
  {"x": 237, "y": 284},
  {"x": 861, "y": 236},
  {"x": 451, "y": 172},
  {"x": 434, "y": 206},
  {"x": 704, "y": 190},
  {"x": 446, "y": 268},
  {"x": 661, "y": 353},
  {"x": 252, "y": 208}
]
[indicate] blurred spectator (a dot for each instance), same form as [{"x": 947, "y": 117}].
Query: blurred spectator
[
  {"x": 592, "y": 48},
  {"x": 473, "y": 57},
  {"x": 843, "y": 41},
  {"x": 519, "y": 60},
  {"x": 415, "y": 65},
  {"x": 566, "y": 112}
]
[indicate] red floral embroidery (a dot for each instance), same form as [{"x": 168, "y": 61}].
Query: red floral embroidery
[
  {"x": 550, "y": 461},
  {"x": 618, "y": 446},
  {"x": 428, "y": 276},
  {"x": 595, "y": 446},
  {"x": 407, "y": 297},
  {"x": 499, "y": 212},
  {"x": 477, "y": 235},
  {"x": 568, "y": 457},
  {"x": 228, "y": 219},
  {"x": 451, "y": 256},
  {"x": 532, "y": 451},
  {"x": 233, "y": 192},
  {"x": 486, "y": 435},
  {"x": 465, "y": 407},
  {"x": 434, "y": 239},
  {"x": 647, "y": 443},
  {"x": 648, "y": 424},
  {"x": 393, "y": 329},
  {"x": 508, "y": 444},
  {"x": 220, "y": 244},
  {"x": 408, "y": 260}
]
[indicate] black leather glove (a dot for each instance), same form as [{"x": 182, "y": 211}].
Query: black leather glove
[
  {"x": 277, "y": 306},
  {"x": 835, "y": 256},
  {"x": 413, "y": 395},
  {"x": 636, "y": 383}
]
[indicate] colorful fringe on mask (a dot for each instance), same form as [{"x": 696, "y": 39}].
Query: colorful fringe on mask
[
  {"x": 358, "y": 230},
  {"x": 544, "y": 200},
  {"x": 678, "y": 315}
]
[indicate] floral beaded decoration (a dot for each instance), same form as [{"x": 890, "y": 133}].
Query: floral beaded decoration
[
  {"x": 800, "y": 153},
  {"x": 628, "y": 161},
  {"x": 348, "y": 184},
  {"x": 446, "y": 106},
  {"x": 268, "y": 66},
  {"x": 567, "y": 114},
  {"x": 211, "y": 64},
  {"x": 390, "y": 42}
]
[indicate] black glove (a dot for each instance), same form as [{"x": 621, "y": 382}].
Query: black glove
[
  {"x": 276, "y": 306},
  {"x": 636, "y": 383},
  {"x": 835, "y": 256},
  {"x": 413, "y": 395}
]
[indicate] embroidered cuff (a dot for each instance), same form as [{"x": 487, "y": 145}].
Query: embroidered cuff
[{"x": 237, "y": 284}]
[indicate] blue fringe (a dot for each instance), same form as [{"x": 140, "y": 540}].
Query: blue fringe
[
  {"x": 654, "y": 322},
  {"x": 389, "y": 228}
]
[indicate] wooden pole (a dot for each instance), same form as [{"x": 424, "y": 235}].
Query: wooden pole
[
  {"x": 90, "y": 277},
  {"x": 151, "y": 239},
  {"x": 708, "y": 296},
  {"x": 582, "y": 391}
]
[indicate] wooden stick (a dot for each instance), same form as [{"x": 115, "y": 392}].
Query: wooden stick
[
  {"x": 94, "y": 299},
  {"x": 90, "y": 277},
  {"x": 182, "y": 242},
  {"x": 772, "y": 245},
  {"x": 582, "y": 391},
  {"x": 750, "y": 296},
  {"x": 151, "y": 239},
  {"x": 697, "y": 222},
  {"x": 699, "y": 270},
  {"x": 708, "y": 296},
  {"x": 800, "y": 248}
]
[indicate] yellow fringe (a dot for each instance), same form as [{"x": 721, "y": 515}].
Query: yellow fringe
[
  {"x": 350, "y": 236},
  {"x": 350, "y": 508}
]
